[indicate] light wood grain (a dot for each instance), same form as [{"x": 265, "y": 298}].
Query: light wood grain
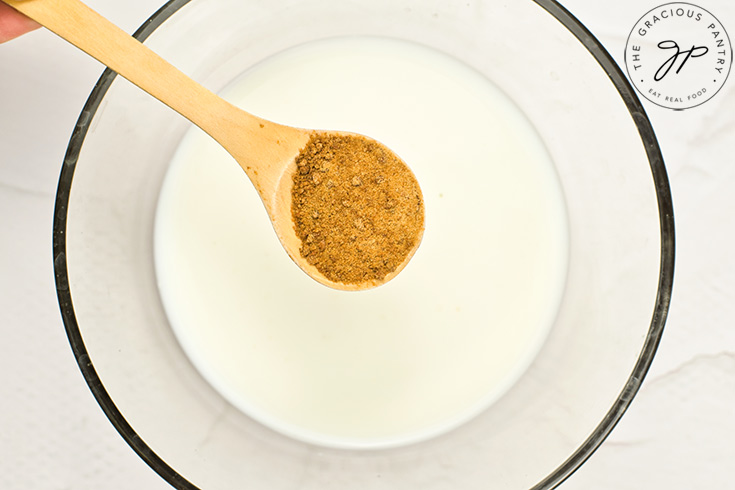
[{"x": 265, "y": 150}]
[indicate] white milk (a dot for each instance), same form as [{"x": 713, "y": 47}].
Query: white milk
[{"x": 419, "y": 355}]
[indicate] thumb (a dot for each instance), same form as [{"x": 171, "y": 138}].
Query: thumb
[{"x": 13, "y": 23}]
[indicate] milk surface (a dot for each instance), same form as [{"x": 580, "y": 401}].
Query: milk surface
[{"x": 419, "y": 355}]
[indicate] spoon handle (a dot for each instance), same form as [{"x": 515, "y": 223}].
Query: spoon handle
[{"x": 81, "y": 26}]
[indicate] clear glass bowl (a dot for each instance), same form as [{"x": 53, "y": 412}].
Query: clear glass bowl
[{"x": 611, "y": 316}]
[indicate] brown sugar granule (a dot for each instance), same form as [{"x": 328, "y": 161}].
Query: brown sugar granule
[{"x": 356, "y": 207}]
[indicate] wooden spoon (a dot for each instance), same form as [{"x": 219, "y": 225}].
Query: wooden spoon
[{"x": 264, "y": 149}]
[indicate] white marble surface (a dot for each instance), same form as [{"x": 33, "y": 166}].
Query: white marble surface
[{"x": 678, "y": 433}]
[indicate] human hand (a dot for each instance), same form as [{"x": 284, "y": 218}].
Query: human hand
[{"x": 13, "y": 23}]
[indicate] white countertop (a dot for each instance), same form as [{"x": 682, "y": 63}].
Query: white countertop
[{"x": 678, "y": 432}]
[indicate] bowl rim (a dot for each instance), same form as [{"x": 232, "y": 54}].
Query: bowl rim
[{"x": 624, "y": 398}]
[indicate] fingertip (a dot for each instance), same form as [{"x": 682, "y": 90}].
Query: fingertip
[{"x": 13, "y": 23}]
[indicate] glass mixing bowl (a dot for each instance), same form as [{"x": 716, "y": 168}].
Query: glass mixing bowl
[{"x": 547, "y": 424}]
